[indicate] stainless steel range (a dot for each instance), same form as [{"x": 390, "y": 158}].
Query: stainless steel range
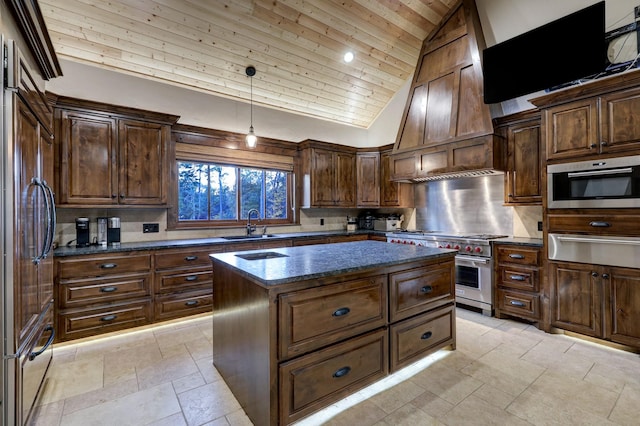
[{"x": 474, "y": 262}]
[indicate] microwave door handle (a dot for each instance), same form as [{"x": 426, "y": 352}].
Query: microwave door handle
[{"x": 626, "y": 170}]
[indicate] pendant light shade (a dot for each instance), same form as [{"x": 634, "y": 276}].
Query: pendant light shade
[{"x": 251, "y": 139}]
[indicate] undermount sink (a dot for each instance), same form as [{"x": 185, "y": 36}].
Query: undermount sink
[
  {"x": 261, "y": 255},
  {"x": 247, "y": 237}
]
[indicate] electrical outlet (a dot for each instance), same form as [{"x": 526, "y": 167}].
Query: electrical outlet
[
  {"x": 150, "y": 227},
  {"x": 636, "y": 11},
  {"x": 539, "y": 226},
  {"x": 321, "y": 222}
]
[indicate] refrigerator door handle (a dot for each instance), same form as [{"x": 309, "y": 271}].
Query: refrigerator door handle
[
  {"x": 50, "y": 328},
  {"x": 51, "y": 219}
]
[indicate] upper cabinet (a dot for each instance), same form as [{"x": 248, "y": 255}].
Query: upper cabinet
[
  {"x": 524, "y": 158},
  {"x": 329, "y": 175},
  {"x": 446, "y": 127},
  {"x": 393, "y": 194},
  {"x": 593, "y": 120},
  {"x": 368, "y": 187},
  {"x": 111, "y": 156}
]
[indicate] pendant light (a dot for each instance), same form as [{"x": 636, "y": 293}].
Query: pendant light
[{"x": 251, "y": 139}]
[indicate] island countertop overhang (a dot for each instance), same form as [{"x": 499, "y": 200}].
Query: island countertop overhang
[{"x": 317, "y": 261}]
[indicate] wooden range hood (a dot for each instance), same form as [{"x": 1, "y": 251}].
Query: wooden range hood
[{"x": 446, "y": 129}]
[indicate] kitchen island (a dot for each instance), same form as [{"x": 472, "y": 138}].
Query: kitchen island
[{"x": 298, "y": 328}]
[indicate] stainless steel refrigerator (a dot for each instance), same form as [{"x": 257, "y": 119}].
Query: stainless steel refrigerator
[{"x": 27, "y": 218}]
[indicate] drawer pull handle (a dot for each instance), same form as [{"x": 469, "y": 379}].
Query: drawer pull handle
[
  {"x": 517, "y": 303},
  {"x": 517, "y": 277},
  {"x": 342, "y": 372},
  {"x": 598, "y": 224},
  {"x": 516, "y": 256},
  {"x": 426, "y": 289},
  {"x": 191, "y": 278},
  {"x": 109, "y": 318},
  {"x": 426, "y": 335},
  {"x": 191, "y": 258},
  {"x": 191, "y": 303},
  {"x": 341, "y": 312},
  {"x": 108, "y": 289},
  {"x": 108, "y": 265}
]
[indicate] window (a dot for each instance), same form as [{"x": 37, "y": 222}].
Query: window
[{"x": 219, "y": 195}]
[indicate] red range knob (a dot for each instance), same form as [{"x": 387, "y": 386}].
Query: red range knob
[
  {"x": 448, "y": 245},
  {"x": 420, "y": 245},
  {"x": 457, "y": 247},
  {"x": 478, "y": 249},
  {"x": 404, "y": 242},
  {"x": 413, "y": 243},
  {"x": 440, "y": 246},
  {"x": 467, "y": 248}
]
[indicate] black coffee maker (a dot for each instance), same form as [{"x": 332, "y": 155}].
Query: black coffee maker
[{"x": 82, "y": 232}]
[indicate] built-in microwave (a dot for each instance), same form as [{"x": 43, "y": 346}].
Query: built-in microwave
[{"x": 605, "y": 183}]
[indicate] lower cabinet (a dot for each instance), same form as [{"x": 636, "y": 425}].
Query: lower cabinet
[{"x": 595, "y": 300}]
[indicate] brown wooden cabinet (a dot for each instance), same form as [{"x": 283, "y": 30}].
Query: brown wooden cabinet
[
  {"x": 393, "y": 194},
  {"x": 517, "y": 282},
  {"x": 592, "y": 120},
  {"x": 368, "y": 179},
  {"x": 111, "y": 155},
  {"x": 329, "y": 175},
  {"x": 524, "y": 158}
]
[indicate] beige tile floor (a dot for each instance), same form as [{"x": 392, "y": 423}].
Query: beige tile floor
[{"x": 502, "y": 373}]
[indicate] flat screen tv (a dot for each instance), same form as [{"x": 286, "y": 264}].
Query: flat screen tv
[{"x": 568, "y": 49}]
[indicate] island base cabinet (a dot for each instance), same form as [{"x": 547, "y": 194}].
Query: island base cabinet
[
  {"x": 417, "y": 337},
  {"x": 311, "y": 382}
]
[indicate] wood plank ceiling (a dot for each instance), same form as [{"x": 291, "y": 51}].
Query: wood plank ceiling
[{"x": 297, "y": 47}]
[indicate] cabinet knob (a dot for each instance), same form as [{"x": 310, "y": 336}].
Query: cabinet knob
[
  {"x": 426, "y": 289},
  {"x": 342, "y": 372},
  {"x": 108, "y": 289},
  {"x": 603, "y": 143},
  {"x": 593, "y": 145},
  {"x": 122, "y": 196},
  {"x": 191, "y": 303},
  {"x": 113, "y": 195},
  {"x": 341, "y": 312},
  {"x": 108, "y": 318},
  {"x": 594, "y": 274},
  {"x": 510, "y": 195},
  {"x": 516, "y": 256},
  {"x": 605, "y": 276},
  {"x": 426, "y": 335}
]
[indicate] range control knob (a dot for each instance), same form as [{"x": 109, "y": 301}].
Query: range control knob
[
  {"x": 467, "y": 248},
  {"x": 413, "y": 243},
  {"x": 478, "y": 250},
  {"x": 448, "y": 246},
  {"x": 440, "y": 246},
  {"x": 457, "y": 247}
]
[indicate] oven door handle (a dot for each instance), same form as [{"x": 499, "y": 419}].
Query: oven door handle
[
  {"x": 473, "y": 261},
  {"x": 599, "y": 240},
  {"x": 600, "y": 172}
]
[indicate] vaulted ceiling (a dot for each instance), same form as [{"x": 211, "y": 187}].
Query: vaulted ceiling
[{"x": 296, "y": 46}]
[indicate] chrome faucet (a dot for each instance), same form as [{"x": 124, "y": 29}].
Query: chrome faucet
[{"x": 250, "y": 227}]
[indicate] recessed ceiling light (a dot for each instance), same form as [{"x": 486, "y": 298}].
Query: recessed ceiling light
[{"x": 348, "y": 57}]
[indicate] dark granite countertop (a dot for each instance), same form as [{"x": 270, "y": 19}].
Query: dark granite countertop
[
  {"x": 520, "y": 241},
  {"x": 193, "y": 242},
  {"x": 309, "y": 262}
]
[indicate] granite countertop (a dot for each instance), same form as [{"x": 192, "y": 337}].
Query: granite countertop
[
  {"x": 520, "y": 241},
  {"x": 193, "y": 242},
  {"x": 309, "y": 262}
]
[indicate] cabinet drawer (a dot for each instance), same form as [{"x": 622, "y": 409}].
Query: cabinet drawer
[
  {"x": 98, "y": 266},
  {"x": 313, "y": 381},
  {"x": 88, "y": 322},
  {"x": 417, "y": 290},
  {"x": 183, "y": 304},
  {"x": 518, "y": 278},
  {"x": 415, "y": 338},
  {"x": 520, "y": 304},
  {"x": 594, "y": 224},
  {"x": 520, "y": 255},
  {"x": 167, "y": 282},
  {"x": 92, "y": 291},
  {"x": 196, "y": 257},
  {"x": 336, "y": 311}
]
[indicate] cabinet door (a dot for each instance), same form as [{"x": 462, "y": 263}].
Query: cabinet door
[
  {"x": 576, "y": 297},
  {"x": 572, "y": 129},
  {"x": 345, "y": 179},
  {"x": 323, "y": 176},
  {"x": 368, "y": 166},
  {"x": 393, "y": 194},
  {"x": 523, "y": 182},
  {"x": 625, "y": 305},
  {"x": 143, "y": 162},
  {"x": 88, "y": 156},
  {"x": 619, "y": 126}
]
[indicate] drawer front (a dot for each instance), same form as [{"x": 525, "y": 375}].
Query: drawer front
[
  {"x": 183, "y": 304},
  {"x": 520, "y": 304},
  {"x": 98, "y": 266},
  {"x": 314, "y": 381},
  {"x": 519, "y": 255},
  {"x": 415, "y": 338},
  {"x": 336, "y": 311},
  {"x": 518, "y": 278},
  {"x": 89, "y": 322},
  {"x": 417, "y": 290},
  {"x": 594, "y": 224},
  {"x": 92, "y": 291},
  {"x": 168, "y": 282},
  {"x": 185, "y": 258}
]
